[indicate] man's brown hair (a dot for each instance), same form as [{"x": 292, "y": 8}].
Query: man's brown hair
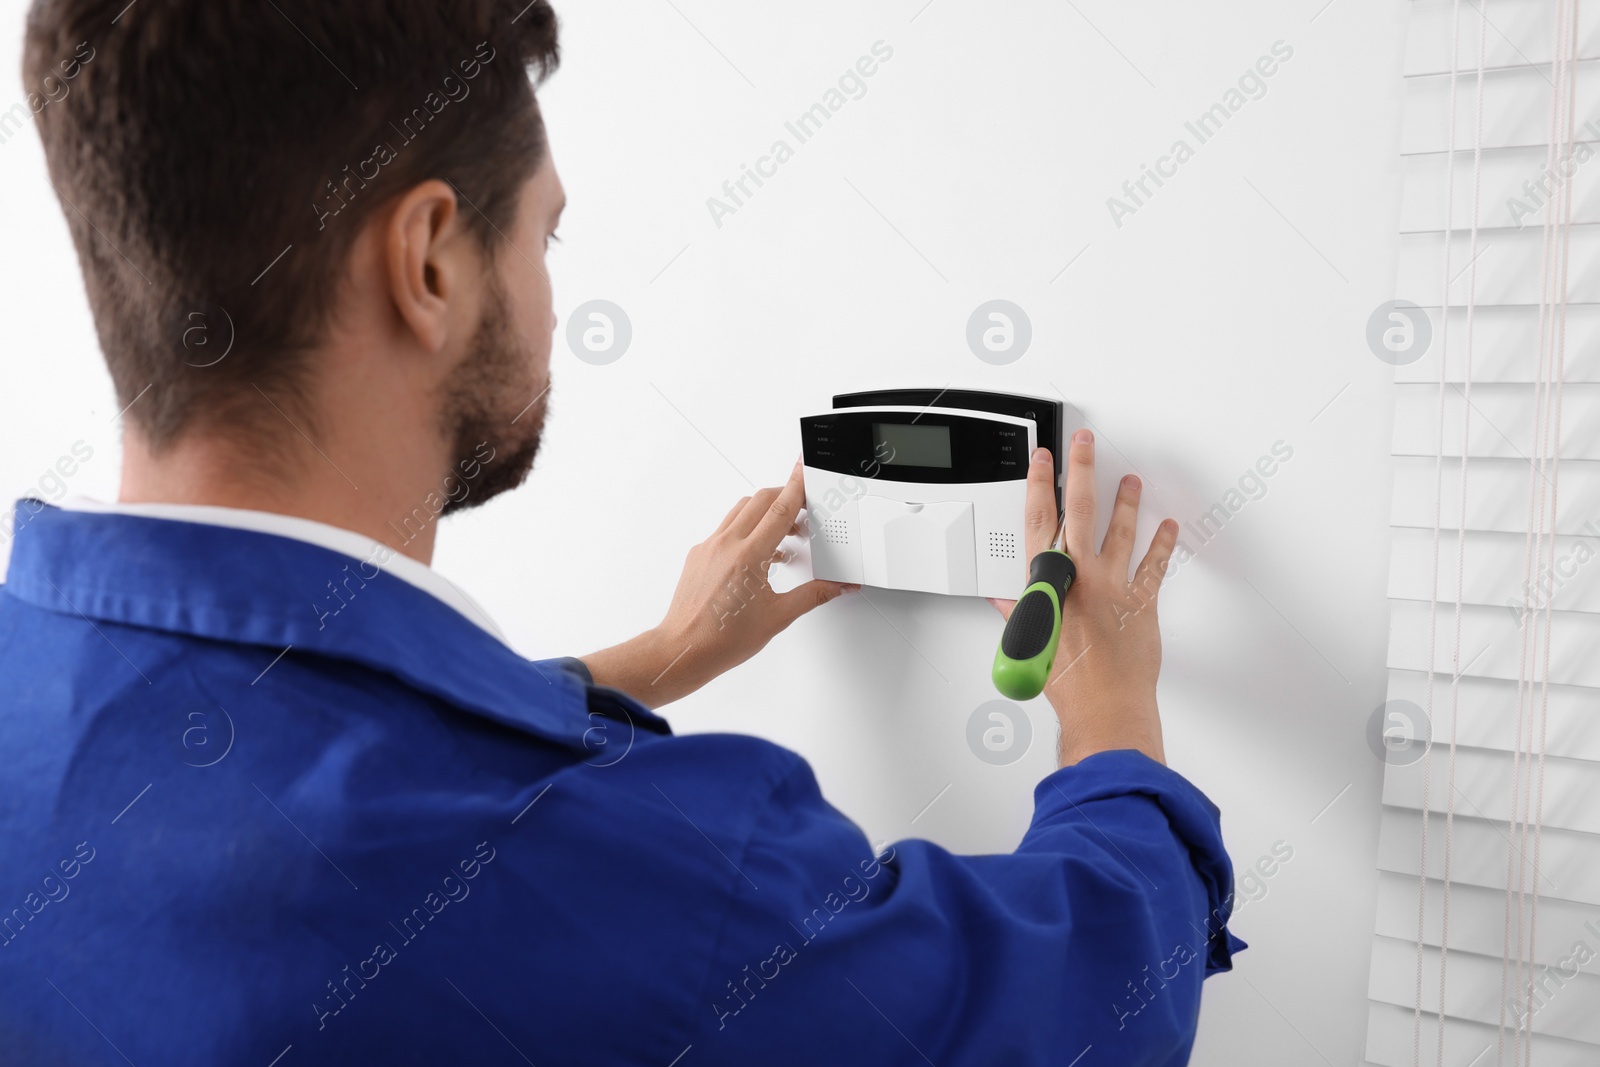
[{"x": 216, "y": 158}]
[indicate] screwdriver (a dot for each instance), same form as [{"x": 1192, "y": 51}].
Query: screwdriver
[{"x": 1028, "y": 643}]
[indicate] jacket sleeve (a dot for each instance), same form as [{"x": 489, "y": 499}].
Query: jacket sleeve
[
  {"x": 1096, "y": 932},
  {"x": 571, "y": 664}
]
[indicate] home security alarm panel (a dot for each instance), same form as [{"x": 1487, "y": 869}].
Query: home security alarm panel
[{"x": 925, "y": 489}]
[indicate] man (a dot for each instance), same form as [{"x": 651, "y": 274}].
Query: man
[{"x": 277, "y": 794}]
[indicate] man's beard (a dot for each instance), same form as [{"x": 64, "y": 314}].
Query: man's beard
[{"x": 494, "y": 409}]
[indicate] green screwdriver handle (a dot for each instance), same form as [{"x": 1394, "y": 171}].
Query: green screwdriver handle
[{"x": 1028, "y": 643}]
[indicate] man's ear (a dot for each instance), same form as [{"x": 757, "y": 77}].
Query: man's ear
[{"x": 428, "y": 257}]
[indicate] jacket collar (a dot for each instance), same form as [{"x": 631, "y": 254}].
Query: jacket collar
[
  {"x": 287, "y": 595},
  {"x": 347, "y": 542}
]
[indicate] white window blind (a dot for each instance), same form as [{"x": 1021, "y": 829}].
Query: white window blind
[{"x": 1498, "y": 885}]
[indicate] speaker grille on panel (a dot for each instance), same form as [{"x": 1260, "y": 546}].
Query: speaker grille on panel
[
  {"x": 836, "y": 531},
  {"x": 1002, "y": 545}
]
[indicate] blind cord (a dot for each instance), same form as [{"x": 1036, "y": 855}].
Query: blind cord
[
  {"x": 1552, "y": 338},
  {"x": 1438, "y": 504},
  {"x": 1510, "y": 989},
  {"x": 1461, "y": 528},
  {"x": 1553, "y": 451}
]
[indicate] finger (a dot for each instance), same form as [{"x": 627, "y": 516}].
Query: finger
[
  {"x": 813, "y": 594},
  {"x": 1153, "y": 568},
  {"x": 1118, "y": 545},
  {"x": 1004, "y": 607},
  {"x": 782, "y": 511},
  {"x": 1080, "y": 504},
  {"x": 1040, "y": 515},
  {"x": 757, "y": 506},
  {"x": 727, "y": 520}
]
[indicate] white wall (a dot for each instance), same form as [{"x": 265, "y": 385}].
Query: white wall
[{"x": 1226, "y": 314}]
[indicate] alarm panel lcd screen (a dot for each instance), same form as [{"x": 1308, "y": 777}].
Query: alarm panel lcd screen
[{"x": 911, "y": 445}]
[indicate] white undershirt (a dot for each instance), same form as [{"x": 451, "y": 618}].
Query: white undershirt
[{"x": 345, "y": 542}]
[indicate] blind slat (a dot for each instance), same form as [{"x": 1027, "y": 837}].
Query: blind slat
[
  {"x": 1516, "y": 106},
  {"x": 1503, "y": 337},
  {"x": 1572, "y": 725},
  {"x": 1484, "y": 782},
  {"x": 1495, "y": 574},
  {"x": 1390, "y": 1030},
  {"x": 1500, "y": 422},
  {"x": 1491, "y": 643},
  {"x": 1477, "y": 918},
  {"x": 1497, "y": 494},
  {"x": 1473, "y": 992},
  {"x": 1508, "y": 268},
  {"x": 1567, "y": 870},
  {"x": 1510, "y": 195},
  {"x": 1521, "y": 35}
]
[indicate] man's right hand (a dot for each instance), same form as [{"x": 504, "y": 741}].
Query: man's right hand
[{"x": 1103, "y": 681}]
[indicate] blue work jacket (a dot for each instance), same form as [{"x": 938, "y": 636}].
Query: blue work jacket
[{"x": 236, "y": 829}]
